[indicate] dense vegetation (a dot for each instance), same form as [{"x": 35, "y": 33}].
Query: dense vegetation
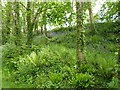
[{"x": 81, "y": 52}]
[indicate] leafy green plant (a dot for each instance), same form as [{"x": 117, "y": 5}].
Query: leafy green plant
[
  {"x": 82, "y": 80},
  {"x": 95, "y": 38},
  {"x": 88, "y": 68},
  {"x": 30, "y": 66},
  {"x": 115, "y": 83},
  {"x": 10, "y": 55},
  {"x": 56, "y": 77},
  {"x": 102, "y": 62},
  {"x": 43, "y": 80}
]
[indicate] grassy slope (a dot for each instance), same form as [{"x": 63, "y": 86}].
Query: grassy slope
[{"x": 98, "y": 49}]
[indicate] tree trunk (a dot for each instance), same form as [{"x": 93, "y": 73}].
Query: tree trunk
[
  {"x": 45, "y": 29},
  {"x": 119, "y": 54},
  {"x": 36, "y": 28},
  {"x": 119, "y": 26},
  {"x": 93, "y": 30},
  {"x": 29, "y": 25},
  {"x": 6, "y": 24},
  {"x": 24, "y": 25},
  {"x": 41, "y": 29},
  {"x": 17, "y": 24},
  {"x": 44, "y": 21},
  {"x": 80, "y": 39}
]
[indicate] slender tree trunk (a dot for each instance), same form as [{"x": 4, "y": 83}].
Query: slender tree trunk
[
  {"x": 119, "y": 26},
  {"x": 4, "y": 38},
  {"x": 6, "y": 24},
  {"x": 70, "y": 21},
  {"x": 45, "y": 23},
  {"x": 41, "y": 29},
  {"x": 32, "y": 15},
  {"x": 45, "y": 29},
  {"x": 29, "y": 25},
  {"x": 17, "y": 24},
  {"x": 80, "y": 40},
  {"x": 119, "y": 54},
  {"x": 36, "y": 27},
  {"x": 91, "y": 18},
  {"x": 6, "y": 31},
  {"x": 24, "y": 25}
]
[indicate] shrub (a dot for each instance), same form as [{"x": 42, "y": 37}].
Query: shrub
[
  {"x": 115, "y": 83},
  {"x": 52, "y": 62},
  {"x": 102, "y": 62},
  {"x": 10, "y": 55},
  {"x": 56, "y": 77},
  {"x": 82, "y": 80}
]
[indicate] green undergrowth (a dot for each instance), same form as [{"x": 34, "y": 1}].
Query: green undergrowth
[
  {"x": 51, "y": 63},
  {"x": 54, "y": 66}
]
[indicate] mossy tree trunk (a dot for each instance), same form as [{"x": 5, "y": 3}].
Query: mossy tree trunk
[
  {"x": 119, "y": 43},
  {"x": 29, "y": 25},
  {"x": 17, "y": 24},
  {"x": 80, "y": 38},
  {"x": 44, "y": 21},
  {"x": 6, "y": 23}
]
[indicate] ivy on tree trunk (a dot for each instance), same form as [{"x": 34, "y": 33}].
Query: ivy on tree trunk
[
  {"x": 80, "y": 35},
  {"x": 17, "y": 24},
  {"x": 6, "y": 23},
  {"x": 29, "y": 25}
]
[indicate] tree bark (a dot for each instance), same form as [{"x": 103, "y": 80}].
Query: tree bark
[
  {"x": 17, "y": 24},
  {"x": 91, "y": 18},
  {"x": 41, "y": 29},
  {"x": 36, "y": 28},
  {"x": 80, "y": 39},
  {"x": 44, "y": 21},
  {"x": 29, "y": 25},
  {"x": 6, "y": 24},
  {"x": 24, "y": 25},
  {"x": 119, "y": 26}
]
